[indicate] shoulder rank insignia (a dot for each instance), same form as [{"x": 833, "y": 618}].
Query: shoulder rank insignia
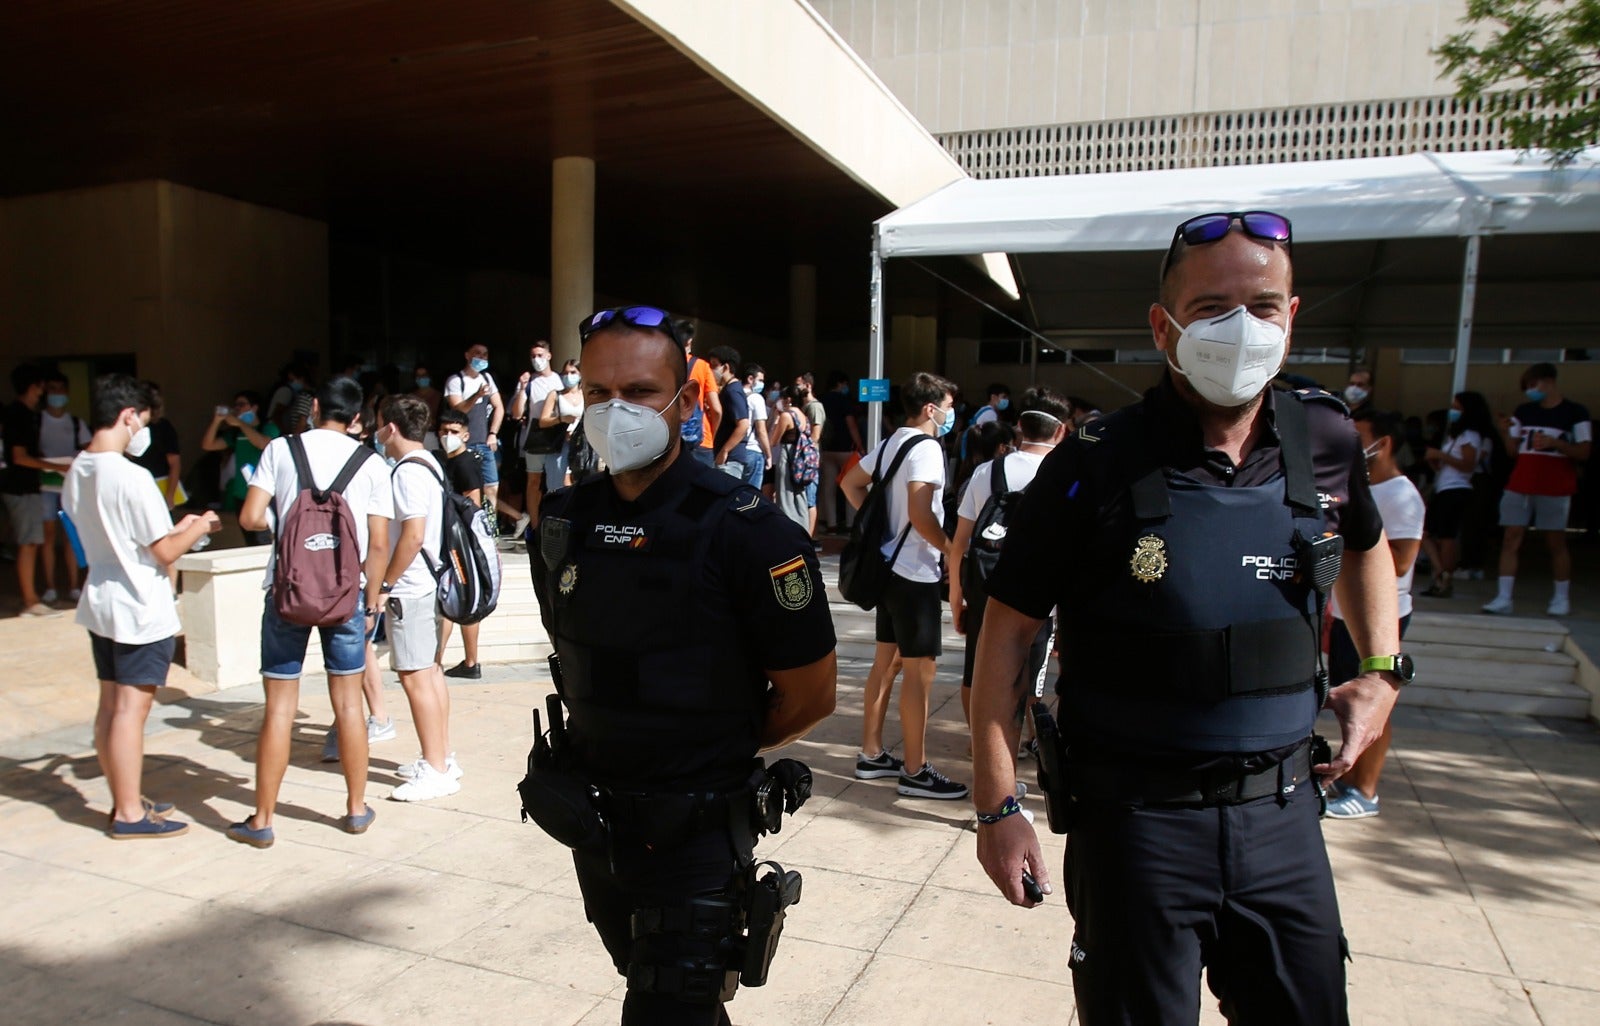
[
  {"x": 1149, "y": 560},
  {"x": 791, "y": 583}
]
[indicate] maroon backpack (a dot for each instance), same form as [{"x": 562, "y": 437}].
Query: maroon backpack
[{"x": 317, "y": 581}]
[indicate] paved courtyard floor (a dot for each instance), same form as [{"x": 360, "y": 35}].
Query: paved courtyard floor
[{"x": 1473, "y": 899}]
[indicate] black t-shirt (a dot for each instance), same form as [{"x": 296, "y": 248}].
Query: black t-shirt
[
  {"x": 735, "y": 407},
  {"x": 21, "y": 430},
  {"x": 163, "y": 443},
  {"x": 835, "y": 430},
  {"x": 1057, "y": 515},
  {"x": 464, "y": 470}
]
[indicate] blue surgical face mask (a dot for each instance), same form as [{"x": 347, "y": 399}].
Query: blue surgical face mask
[
  {"x": 247, "y": 417},
  {"x": 1535, "y": 395},
  {"x": 1453, "y": 415},
  {"x": 948, "y": 423},
  {"x": 297, "y": 386},
  {"x": 1001, "y": 405},
  {"x": 56, "y": 400},
  {"x": 479, "y": 365},
  {"x": 424, "y": 381}
]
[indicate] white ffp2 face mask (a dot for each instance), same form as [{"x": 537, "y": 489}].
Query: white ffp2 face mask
[
  {"x": 138, "y": 441},
  {"x": 627, "y": 436},
  {"x": 1229, "y": 359},
  {"x": 451, "y": 444}
]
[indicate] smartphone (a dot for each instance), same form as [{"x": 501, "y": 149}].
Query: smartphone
[
  {"x": 1030, "y": 888},
  {"x": 223, "y": 411},
  {"x": 396, "y": 610}
]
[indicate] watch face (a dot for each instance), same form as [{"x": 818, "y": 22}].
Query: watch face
[{"x": 1404, "y": 668}]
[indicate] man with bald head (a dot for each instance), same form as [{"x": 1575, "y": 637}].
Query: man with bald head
[
  {"x": 691, "y": 630},
  {"x": 1188, "y": 542}
]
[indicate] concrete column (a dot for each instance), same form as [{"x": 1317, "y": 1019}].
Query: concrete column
[
  {"x": 802, "y": 319},
  {"x": 571, "y": 252}
]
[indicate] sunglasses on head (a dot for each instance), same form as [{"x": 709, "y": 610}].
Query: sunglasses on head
[
  {"x": 1258, "y": 224},
  {"x": 651, "y": 317}
]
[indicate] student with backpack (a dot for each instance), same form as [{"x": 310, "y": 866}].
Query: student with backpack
[
  {"x": 904, "y": 561},
  {"x": 409, "y": 584},
  {"x": 61, "y": 437},
  {"x": 328, "y": 502},
  {"x": 992, "y": 496}
]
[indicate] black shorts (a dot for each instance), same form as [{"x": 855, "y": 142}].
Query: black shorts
[
  {"x": 909, "y": 615},
  {"x": 1038, "y": 651},
  {"x": 135, "y": 665},
  {"x": 1446, "y": 510}
]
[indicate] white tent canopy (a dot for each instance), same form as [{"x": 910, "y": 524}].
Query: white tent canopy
[
  {"x": 1433, "y": 194},
  {"x": 1464, "y": 195}
]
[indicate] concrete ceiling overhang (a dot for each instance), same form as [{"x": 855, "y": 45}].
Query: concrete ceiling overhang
[{"x": 431, "y": 127}]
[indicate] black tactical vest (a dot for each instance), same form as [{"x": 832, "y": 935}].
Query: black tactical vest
[
  {"x": 658, "y": 694},
  {"x": 1196, "y": 632}
]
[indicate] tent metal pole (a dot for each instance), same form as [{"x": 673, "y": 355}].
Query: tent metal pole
[
  {"x": 1469, "y": 295},
  {"x": 875, "y": 343}
]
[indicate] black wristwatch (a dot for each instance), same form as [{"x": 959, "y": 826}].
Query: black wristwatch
[
  {"x": 385, "y": 588},
  {"x": 1398, "y": 664}
]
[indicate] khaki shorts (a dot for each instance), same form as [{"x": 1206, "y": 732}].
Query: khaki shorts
[{"x": 413, "y": 626}]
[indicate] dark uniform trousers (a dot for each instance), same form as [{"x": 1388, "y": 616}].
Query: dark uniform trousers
[
  {"x": 702, "y": 865},
  {"x": 1244, "y": 891}
]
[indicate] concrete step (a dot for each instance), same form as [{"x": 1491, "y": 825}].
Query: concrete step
[
  {"x": 1573, "y": 706},
  {"x": 1434, "y": 651},
  {"x": 1479, "y": 630},
  {"x": 1505, "y": 673}
]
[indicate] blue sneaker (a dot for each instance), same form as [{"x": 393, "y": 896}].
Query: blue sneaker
[
  {"x": 244, "y": 833},
  {"x": 1352, "y": 804},
  {"x": 147, "y": 828}
]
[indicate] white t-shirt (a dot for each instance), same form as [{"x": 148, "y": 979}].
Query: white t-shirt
[
  {"x": 1449, "y": 477},
  {"x": 327, "y": 449},
  {"x": 985, "y": 415},
  {"x": 1021, "y": 466},
  {"x": 918, "y": 561},
  {"x": 1402, "y": 509},
  {"x": 758, "y": 411},
  {"x": 536, "y": 390},
  {"x": 418, "y": 493},
  {"x": 119, "y": 513},
  {"x": 478, "y": 388},
  {"x": 57, "y": 439}
]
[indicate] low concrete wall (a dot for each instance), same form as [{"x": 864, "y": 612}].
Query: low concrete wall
[{"x": 222, "y": 603}]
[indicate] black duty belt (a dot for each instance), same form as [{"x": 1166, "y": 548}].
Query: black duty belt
[
  {"x": 1126, "y": 783},
  {"x": 660, "y": 817}
]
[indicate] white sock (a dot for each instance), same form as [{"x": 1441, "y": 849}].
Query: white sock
[
  {"x": 1505, "y": 587},
  {"x": 1561, "y": 590}
]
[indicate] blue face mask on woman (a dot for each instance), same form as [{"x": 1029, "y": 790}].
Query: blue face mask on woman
[{"x": 1452, "y": 415}]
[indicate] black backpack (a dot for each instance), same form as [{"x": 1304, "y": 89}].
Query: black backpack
[
  {"x": 468, "y": 570},
  {"x": 989, "y": 530},
  {"x": 863, "y": 569}
]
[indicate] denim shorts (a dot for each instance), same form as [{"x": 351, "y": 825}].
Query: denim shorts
[
  {"x": 811, "y": 495},
  {"x": 283, "y": 644},
  {"x": 50, "y": 505},
  {"x": 491, "y": 469}
]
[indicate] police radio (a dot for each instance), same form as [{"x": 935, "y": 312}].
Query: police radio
[{"x": 1320, "y": 559}]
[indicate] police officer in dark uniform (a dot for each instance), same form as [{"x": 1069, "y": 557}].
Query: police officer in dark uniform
[
  {"x": 1188, "y": 542},
  {"x": 691, "y": 630}
]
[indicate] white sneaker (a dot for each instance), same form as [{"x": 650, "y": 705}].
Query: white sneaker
[
  {"x": 1559, "y": 607},
  {"x": 522, "y": 525},
  {"x": 1499, "y": 606},
  {"x": 49, "y": 596},
  {"x": 425, "y": 784},
  {"x": 379, "y": 731},
  {"x": 409, "y": 770},
  {"x": 75, "y": 594},
  {"x": 40, "y": 609}
]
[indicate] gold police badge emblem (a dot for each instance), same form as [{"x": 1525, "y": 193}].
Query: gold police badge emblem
[
  {"x": 1149, "y": 559},
  {"x": 568, "y": 580},
  {"x": 791, "y": 583}
]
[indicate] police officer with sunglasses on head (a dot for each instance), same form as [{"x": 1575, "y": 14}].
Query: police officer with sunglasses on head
[
  {"x": 1189, "y": 542},
  {"x": 691, "y": 631}
]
